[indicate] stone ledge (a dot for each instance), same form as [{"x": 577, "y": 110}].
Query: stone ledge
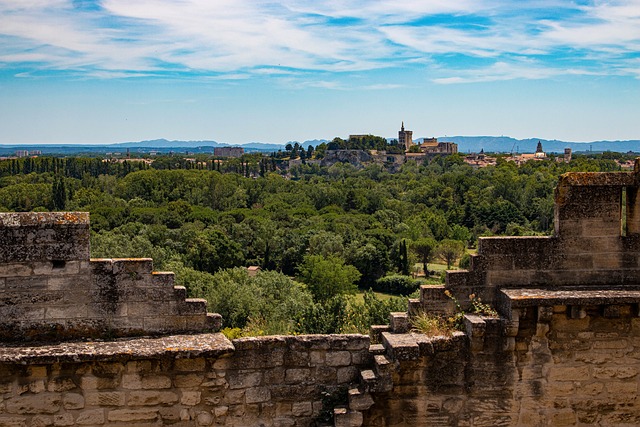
[
  {"x": 519, "y": 298},
  {"x": 349, "y": 342},
  {"x": 43, "y": 219},
  {"x": 607, "y": 179},
  {"x": 175, "y": 346}
]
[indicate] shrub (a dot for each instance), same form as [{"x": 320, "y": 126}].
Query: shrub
[{"x": 396, "y": 285}]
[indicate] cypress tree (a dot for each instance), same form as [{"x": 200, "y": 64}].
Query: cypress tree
[
  {"x": 59, "y": 195},
  {"x": 404, "y": 257}
]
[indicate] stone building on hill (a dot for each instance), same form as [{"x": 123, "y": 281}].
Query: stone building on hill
[
  {"x": 429, "y": 146},
  {"x": 405, "y": 138}
]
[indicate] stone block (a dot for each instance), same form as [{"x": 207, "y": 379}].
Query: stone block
[
  {"x": 144, "y": 308},
  {"x": 132, "y": 415},
  {"x": 59, "y": 384},
  {"x": 401, "y": 346},
  {"x": 621, "y": 388},
  {"x": 302, "y": 409},
  {"x": 8, "y": 421},
  {"x": 257, "y": 395},
  {"x": 16, "y": 269},
  {"x": 190, "y": 398},
  {"x": 151, "y": 398},
  {"x": 297, "y": 375},
  {"x": 37, "y": 421},
  {"x": 155, "y": 324},
  {"x": 106, "y": 398},
  {"x": 338, "y": 358},
  {"x": 192, "y": 306},
  {"x": 346, "y": 374},
  {"x": 238, "y": 379},
  {"x": 163, "y": 278},
  {"x": 399, "y": 322},
  {"x": 42, "y": 403},
  {"x": 131, "y": 381},
  {"x": 155, "y": 382},
  {"x": 274, "y": 375},
  {"x": 296, "y": 359},
  {"x": 73, "y": 401},
  {"x": 345, "y": 418},
  {"x": 611, "y": 344},
  {"x": 188, "y": 380},
  {"x": 134, "y": 268},
  {"x": 93, "y": 417},
  {"x": 359, "y": 401},
  {"x": 63, "y": 420},
  {"x": 78, "y": 311},
  {"x": 608, "y": 260}
]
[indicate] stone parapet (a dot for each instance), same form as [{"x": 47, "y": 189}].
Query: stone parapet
[
  {"x": 50, "y": 290},
  {"x": 197, "y": 380}
]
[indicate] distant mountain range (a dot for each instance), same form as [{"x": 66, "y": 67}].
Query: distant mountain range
[
  {"x": 466, "y": 144},
  {"x": 505, "y": 144}
]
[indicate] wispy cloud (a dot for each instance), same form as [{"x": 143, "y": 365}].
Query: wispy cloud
[{"x": 231, "y": 39}]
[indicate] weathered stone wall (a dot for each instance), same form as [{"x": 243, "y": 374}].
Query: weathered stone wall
[
  {"x": 550, "y": 368},
  {"x": 596, "y": 243},
  {"x": 51, "y": 290},
  {"x": 197, "y": 380}
]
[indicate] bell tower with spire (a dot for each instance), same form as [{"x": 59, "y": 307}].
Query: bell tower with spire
[{"x": 405, "y": 138}]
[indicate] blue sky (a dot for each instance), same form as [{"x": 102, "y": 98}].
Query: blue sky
[{"x": 237, "y": 71}]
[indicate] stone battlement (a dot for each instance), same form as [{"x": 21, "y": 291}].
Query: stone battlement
[
  {"x": 51, "y": 290},
  {"x": 596, "y": 244}
]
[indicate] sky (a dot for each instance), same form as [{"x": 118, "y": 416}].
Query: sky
[{"x": 239, "y": 71}]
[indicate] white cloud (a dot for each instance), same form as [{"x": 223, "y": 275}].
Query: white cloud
[{"x": 243, "y": 38}]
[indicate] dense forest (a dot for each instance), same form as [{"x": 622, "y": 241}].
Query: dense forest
[{"x": 318, "y": 234}]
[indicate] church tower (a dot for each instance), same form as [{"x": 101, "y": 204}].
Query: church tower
[{"x": 405, "y": 138}]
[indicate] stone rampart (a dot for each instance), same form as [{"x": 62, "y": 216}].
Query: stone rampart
[
  {"x": 51, "y": 290},
  {"x": 596, "y": 244},
  {"x": 189, "y": 380}
]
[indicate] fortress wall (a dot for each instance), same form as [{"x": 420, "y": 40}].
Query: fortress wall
[
  {"x": 198, "y": 380},
  {"x": 551, "y": 367},
  {"x": 51, "y": 289},
  {"x": 596, "y": 242}
]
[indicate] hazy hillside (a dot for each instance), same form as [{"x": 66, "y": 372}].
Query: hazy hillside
[{"x": 506, "y": 144}]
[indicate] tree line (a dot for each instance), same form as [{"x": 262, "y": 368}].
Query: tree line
[{"x": 317, "y": 238}]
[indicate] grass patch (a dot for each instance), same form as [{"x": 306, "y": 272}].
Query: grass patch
[
  {"x": 359, "y": 296},
  {"x": 431, "y": 325}
]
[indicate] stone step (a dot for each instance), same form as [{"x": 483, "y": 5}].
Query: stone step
[
  {"x": 163, "y": 278},
  {"x": 399, "y": 322},
  {"x": 192, "y": 307},
  {"x": 415, "y": 306},
  {"x": 376, "y": 349},
  {"x": 401, "y": 347},
  {"x": 432, "y": 293},
  {"x": 383, "y": 368},
  {"x": 359, "y": 400},
  {"x": 375, "y": 332},
  {"x": 368, "y": 379},
  {"x": 342, "y": 417}
]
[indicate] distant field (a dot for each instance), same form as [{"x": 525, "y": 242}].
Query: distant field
[{"x": 360, "y": 298}]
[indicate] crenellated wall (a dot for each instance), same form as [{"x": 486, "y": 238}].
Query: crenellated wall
[
  {"x": 596, "y": 244},
  {"x": 51, "y": 290}
]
